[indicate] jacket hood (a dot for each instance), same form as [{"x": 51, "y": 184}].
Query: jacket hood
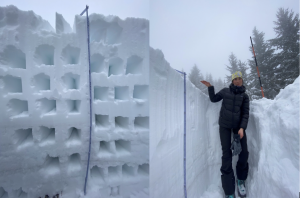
[{"x": 236, "y": 89}]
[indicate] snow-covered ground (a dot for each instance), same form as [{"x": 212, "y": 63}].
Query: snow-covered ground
[
  {"x": 44, "y": 106},
  {"x": 273, "y": 140}
]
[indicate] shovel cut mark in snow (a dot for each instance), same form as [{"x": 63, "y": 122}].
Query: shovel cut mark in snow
[
  {"x": 143, "y": 170},
  {"x": 128, "y": 171},
  {"x": 13, "y": 57},
  {"x": 44, "y": 55},
  {"x": 41, "y": 82},
  {"x": 12, "y": 84},
  {"x": 17, "y": 108},
  {"x": 121, "y": 123},
  {"x": 141, "y": 123},
  {"x": 114, "y": 173}
]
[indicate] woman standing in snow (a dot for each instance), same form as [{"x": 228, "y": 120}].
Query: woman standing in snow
[{"x": 234, "y": 116}]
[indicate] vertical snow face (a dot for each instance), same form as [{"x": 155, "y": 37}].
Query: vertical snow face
[
  {"x": 44, "y": 105},
  {"x": 272, "y": 138}
]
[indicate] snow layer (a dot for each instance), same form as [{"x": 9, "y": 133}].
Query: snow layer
[
  {"x": 44, "y": 105},
  {"x": 273, "y": 139}
]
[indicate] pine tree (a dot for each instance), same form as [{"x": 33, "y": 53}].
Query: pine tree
[
  {"x": 232, "y": 67},
  {"x": 195, "y": 76},
  {"x": 287, "y": 42},
  {"x": 264, "y": 57}
]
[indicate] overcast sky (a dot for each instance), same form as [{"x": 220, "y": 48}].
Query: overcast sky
[
  {"x": 188, "y": 32},
  {"x": 205, "y": 32}
]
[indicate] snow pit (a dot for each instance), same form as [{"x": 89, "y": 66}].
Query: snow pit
[
  {"x": 73, "y": 106},
  {"x": 70, "y": 55},
  {"x": 122, "y": 93},
  {"x": 71, "y": 81},
  {"x": 47, "y": 135},
  {"x": 3, "y": 193},
  {"x": 46, "y": 106},
  {"x": 101, "y": 93},
  {"x": 17, "y": 107},
  {"x": 141, "y": 123},
  {"x": 97, "y": 63},
  {"x": 134, "y": 65},
  {"x": 44, "y": 97},
  {"x": 121, "y": 123},
  {"x": 12, "y": 84},
  {"x": 140, "y": 91},
  {"x": 115, "y": 66},
  {"x": 41, "y": 82},
  {"x": 44, "y": 55},
  {"x": 23, "y": 137},
  {"x": 13, "y": 57},
  {"x": 74, "y": 135}
]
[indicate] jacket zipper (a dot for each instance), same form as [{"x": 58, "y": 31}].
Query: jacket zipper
[{"x": 233, "y": 108}]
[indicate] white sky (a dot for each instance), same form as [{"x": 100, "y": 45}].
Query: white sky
[
  {"x": 188, "y": 32},
  {"x": 205, "y": 32}
]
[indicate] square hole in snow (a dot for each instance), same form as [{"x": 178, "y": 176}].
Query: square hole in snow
[
  {"x": 141, "y": 123},
  {"x": 127, "y": 170},
  {"x": 114, "y": 171},
  {"x": 24, "y": 137},
  {"x": 123, "y": 146},
  {"x": 74, "y": 136},
  {"x": 3, "y": 193},
  {"x": 97, "y": 173},
  {"x": 121, "y": 122},
  {"x": 47, "y": 135},
  {"x": 143, "y": 169},
  {"x": 101, "y": 93},
  {"x": 12, "y": 84},
  {"x": 122, "y": 93},
  {"x": 140, "y": 91},
  {"x": 105, "y": 147},
  {"x": 101, "y": 121},
  {"x": 17, "y": 107},
  {"x": 73, "y": 106}
]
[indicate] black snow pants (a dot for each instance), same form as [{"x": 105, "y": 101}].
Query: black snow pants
[{"x": 227, "y": 177}]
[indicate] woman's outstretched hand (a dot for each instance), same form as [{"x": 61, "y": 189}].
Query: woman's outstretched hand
[{"x": 207, "y": 84}]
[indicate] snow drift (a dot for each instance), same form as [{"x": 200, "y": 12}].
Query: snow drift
[{"x": 272, "y": 134}]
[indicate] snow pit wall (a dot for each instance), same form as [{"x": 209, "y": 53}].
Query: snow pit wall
[
  {"x": 267, "y": 129},
  {"x": 44, "y": 100}
]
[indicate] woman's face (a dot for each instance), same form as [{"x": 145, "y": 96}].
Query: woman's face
[{"x": 238, "y": 81}]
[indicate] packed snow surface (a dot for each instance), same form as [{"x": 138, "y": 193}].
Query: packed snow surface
[
  {"x": 45, "y": 112},
  {"x": 272, "y": 137}
]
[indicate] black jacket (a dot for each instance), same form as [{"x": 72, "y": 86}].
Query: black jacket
[{"x": 234, "y": 112}]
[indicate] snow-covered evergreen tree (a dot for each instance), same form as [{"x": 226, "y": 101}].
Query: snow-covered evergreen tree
[
  {"x": 264, "y": 58},
  {"x": 287, "y": 42},
  {"x": 232, "y": 67}
]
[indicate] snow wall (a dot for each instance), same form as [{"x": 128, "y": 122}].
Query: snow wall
[
  {"x": 272, "y": 137},
  {"x": 44, "y": 105}
]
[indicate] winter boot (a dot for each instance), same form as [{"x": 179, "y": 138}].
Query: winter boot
[
  {"x": 241, "y": 188},
  {"x": 230, "y": 196}
]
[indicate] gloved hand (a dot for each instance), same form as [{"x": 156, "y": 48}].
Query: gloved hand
[{"x": 236, "y": 145}]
